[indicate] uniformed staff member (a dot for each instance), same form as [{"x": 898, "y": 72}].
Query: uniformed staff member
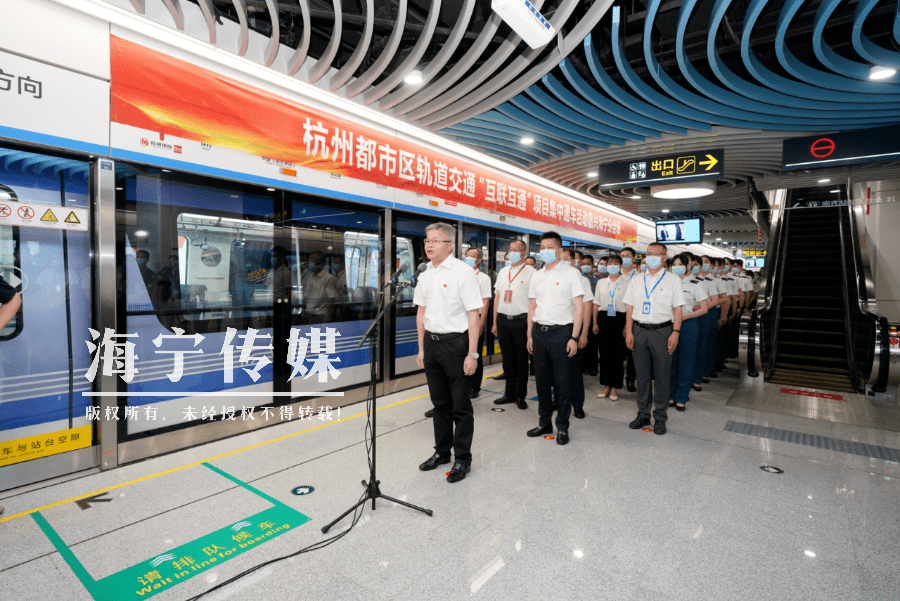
[
  {"x": 652, "y": 328},
  {"x": 734, "y": 303},
  {"x": 10, "y": 301},
  {"x": 554, "y": 327},
  {"x": 682, "y": 374},
  {"x": 717, "y": 293},
  {"x": 609, "y": 321},
  {"x": 577, "y": 364},
  {"x": 629, "y": 270},
  {"x": 589, "y": 355},
  {"x": 511, "y": 323},
  {"x": 447, "y": 323},
  {"x": 473, "y": 260}
]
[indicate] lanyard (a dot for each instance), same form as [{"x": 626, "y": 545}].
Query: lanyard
[
  {"x": 612, "y": 294},
  {"x": 654, "y": 285},
  {"x": 513, "y": 277}
]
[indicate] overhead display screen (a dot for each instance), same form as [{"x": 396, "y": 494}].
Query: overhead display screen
[{"x": 680, "y": 231}]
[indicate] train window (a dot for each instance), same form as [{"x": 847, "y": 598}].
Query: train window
[{"x": 11, "y": 274}]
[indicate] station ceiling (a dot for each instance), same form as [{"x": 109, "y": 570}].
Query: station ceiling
[{"x": 621, "y": 80}]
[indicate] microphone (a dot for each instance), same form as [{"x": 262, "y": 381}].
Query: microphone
[
  {"x": 415, "y": 278},
  {"x": 396, "y": 276}
]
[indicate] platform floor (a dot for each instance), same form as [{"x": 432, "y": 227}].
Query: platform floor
[{"x": 616, "y": 514}]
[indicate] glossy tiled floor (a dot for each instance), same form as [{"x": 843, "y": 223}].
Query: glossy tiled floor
[{"x": 616, "y": 514}]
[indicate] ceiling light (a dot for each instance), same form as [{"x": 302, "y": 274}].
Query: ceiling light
[
  {"x": 635, "y": 198},
  {"x": 414, "y": 78},
  {"x": 665, "y": 210},
  {"x": 120, "y": 188},
  {"x": 593, "y": 174},
  {"x": 270, "y": 189},
  {"x": 684, "y": 190},
  {"x": 824, "y": 181},
  {"x": 717, "y": 239},
  {"x": 166, "y": 171},
  {"x": 835, "y": 191},
  {"x": 527, "y": 141},
  {"x": 879, "y": 72},
  {"x": 141, "y": 233}
]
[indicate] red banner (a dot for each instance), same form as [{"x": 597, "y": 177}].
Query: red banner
[{"x": 159, "y": 93}]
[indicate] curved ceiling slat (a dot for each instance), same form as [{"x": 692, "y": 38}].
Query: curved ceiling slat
[
  {"x": 594, "y": 112},
  {"x": 324, "y": 63},
  {"x": 384, "y": 59},
  {"x": 536, "y": 111},
  {"x": 825, "y": 54},
  {"x": 362, "y": 48},
  {"x": 531, "y": 153},
  {"x": 503, "y": 136},
  {"x": 553, "y": 138},
  {"x": 275, "y": 36},
  {"x": 299, "y": 56},
  {"x": 139, "y": 6},
  {"x": 175, "y": 10},
  {"x": 411, "y": 61},
  {"x": 240, "y": 7},
  {"x": 209, "y": 15},
  {"x": 579, "y": 119},
  {"x": 522, "y": 117},
  {"x": 435, "y": 66},
  {"x": 865, "y": 47}
]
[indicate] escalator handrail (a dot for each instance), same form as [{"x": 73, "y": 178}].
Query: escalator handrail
[
  {"x": 855, "y": 376},
  {"x": 777, "y": 293},
  {"x": 884, "y": 363}
]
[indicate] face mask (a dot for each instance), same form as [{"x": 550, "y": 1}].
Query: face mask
[
  {"x": 627, "y": 261},
  {"x": 470, "y": 261},
  {"x": 644, "y": 266},
  {"x": 679, "y": 270},
  {"x": 586, "y": 269},
  {"x": 706, "y": 268},
  {"x": 602, "y": 269},
  {"x": 653, "y": 262},
  {"x": 514, "y": 257},
  {"x": 548, "y": 255},
  {"x": 612, "y": 269},
  {"x": 141, "y": 262},
  {"x": 310, "y": 265},
  {"x": 735, "y": 270},
  {"x": 695, "y": 269}
]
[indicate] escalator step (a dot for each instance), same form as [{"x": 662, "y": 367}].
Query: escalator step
[
  {"x": 815, "y": 344},
  {"x": 811, "y": 368},
  {"x": 793, "y": 373},
  {"x": 826, "y": 332},
  {"x": 808, "y": 358}
]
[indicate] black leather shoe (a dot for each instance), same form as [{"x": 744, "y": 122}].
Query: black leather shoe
[
  {"x": 704, "y": 380},
  {"x": 458, "y": 472},
  {"x": 630, "y": 387},
  {"x": 578, "y": 412},
  {"x": 680, "y": 407},
  {"x": 500, "y": 376},
  {"x": 434, "y": 461},
  {"x": 504, "y": 400},
  {"x": 659, "y": 427},
  {"x": 540, "y": 431},
  {"x": 474, "y": 394},
  {"x": 713, "y": 374},
  {"x": 562, "y": 437},
  {"x": 592, "y": 373},
  {"x": 429, "y": 413},
  {"x": 640, "y": 422},
  {"x": 521, "y": 404}
]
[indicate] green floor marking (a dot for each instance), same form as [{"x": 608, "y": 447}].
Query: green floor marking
[{"x": 167, "y": 569}]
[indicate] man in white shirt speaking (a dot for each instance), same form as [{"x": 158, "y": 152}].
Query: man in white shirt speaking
[
  {"x": 652, "y": 328},
  {"x": 448, "y": 300}
]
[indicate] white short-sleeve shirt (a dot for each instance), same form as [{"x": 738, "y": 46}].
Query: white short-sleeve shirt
[
  {"x": 665, "y": 293},
  {"x": 447, "y": 292},
  {"x": 484, "y": 285},
  {"x": 553, "y": 290},
  {"x": 605, "y": 287},
  {"x": 516, "y": 279},
  {"x": 694, "y": 292}
]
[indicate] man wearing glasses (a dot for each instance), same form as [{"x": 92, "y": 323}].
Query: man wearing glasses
[
  {"x": 448, "y": 300},
  {"x": 652, "y": 327}
]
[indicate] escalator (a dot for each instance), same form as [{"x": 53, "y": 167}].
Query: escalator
[{"x": 811, "y": 333}]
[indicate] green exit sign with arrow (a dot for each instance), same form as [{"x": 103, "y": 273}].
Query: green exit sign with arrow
[{"x": 663, "y": 169}]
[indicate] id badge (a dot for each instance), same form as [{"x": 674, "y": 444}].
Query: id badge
[
  {"x": 507, "y": 296},
  {"x": 646, "y": 309},
  {"x": 610, "y": 310}
]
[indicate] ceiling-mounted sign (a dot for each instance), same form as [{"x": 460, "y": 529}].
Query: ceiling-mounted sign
[
  {"x": 875, "y": 144},
  {"x": 659, "y": 170},
  {"x": 753, "y": 253}
]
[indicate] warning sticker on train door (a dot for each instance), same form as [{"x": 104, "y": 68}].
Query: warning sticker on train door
[{"x": 35, "y": 215}]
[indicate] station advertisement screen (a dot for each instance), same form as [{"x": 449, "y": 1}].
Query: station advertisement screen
[{"x": 680, "y": 231}]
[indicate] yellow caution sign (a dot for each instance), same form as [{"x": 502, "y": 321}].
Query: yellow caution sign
[
  {"x": 712, "y": 162},
  {"x": 49, "y": 216},
  {"x": 42, "y": 445},
  {"x": 72, "y": 218}
]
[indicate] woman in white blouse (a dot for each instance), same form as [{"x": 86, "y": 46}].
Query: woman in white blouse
[
  {"x": 609, "y": 322},
  {"x": 682, "y": 374}
]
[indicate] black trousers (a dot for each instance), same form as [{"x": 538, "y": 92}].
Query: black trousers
[
  {"x": 654, "y": 363},
  {"x": 589, "y": 355},
  {"x": 630, "y": 374},
  {"x": 577, "y": 378},
  {"x": 722, "y": 345},
  {"x": 734, "y": 336},
  {"x": 552, "y": 368},
  {"x": 612, "y": 350},
  {"x": 454, "y": 418},
  {"x": 513, "y": 337}
]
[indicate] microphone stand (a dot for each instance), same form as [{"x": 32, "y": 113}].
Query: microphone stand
[{"x": 372, "y": 486}]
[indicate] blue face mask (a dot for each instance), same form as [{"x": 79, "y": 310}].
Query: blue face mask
[
  {"x": 586, "y": 269},
  {"x": 602, "y": 269},
  {"x": 695, "y": 269},
  {"x": 141, "y": 262},
  {"x": 706, "y": 267},
  {"x": 653, "y": 262},
  {"x": 735, "y": 270},
  {"x": 470, "y": 261},
  {"x": 548, "y": 255},
  {"x": 627, "y": 261},
  {"x": 514, "y": 257},
  {"x": 679, "y": 270},
  {"x": 612, "y": 269}
]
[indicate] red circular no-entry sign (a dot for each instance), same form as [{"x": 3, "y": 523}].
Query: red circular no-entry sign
[{"x": 822, "y": 148}]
